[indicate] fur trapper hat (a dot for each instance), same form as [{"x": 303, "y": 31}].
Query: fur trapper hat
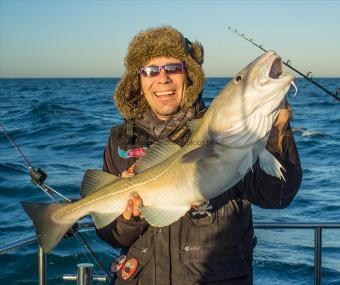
[{"x": 158, "y": 42}]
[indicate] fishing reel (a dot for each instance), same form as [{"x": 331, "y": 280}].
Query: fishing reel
[{"x": 38, "y": 176}]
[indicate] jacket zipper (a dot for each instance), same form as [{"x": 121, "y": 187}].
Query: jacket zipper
[
  {"x": 192, "y": 248},
  {"x": 187, "y": 248}
]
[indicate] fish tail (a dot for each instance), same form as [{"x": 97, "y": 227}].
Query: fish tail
[{"x": 48, "y": 231}]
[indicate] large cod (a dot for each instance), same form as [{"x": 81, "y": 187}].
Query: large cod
[{"x": 224, "y": 146}]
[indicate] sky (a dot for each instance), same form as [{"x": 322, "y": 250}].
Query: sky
[{"x": 79, "y": 38}]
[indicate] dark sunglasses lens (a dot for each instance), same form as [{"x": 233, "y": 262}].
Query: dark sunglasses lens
[
  {"x": 174, "y": 68},
  {"x": 150, "y": 71}
]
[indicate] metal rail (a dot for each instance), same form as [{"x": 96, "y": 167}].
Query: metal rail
[
  {"x": 317, "y": 227},
  {"x": 17, "y": 244}
]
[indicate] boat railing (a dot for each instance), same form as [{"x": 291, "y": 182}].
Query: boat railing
[{"x": 85, "y": 277}]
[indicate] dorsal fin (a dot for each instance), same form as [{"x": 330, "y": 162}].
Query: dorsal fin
[
  {"x": 193, "y": 124},
  {"x": 155, "y": 154},
  {"x": 95, "y": 179}
]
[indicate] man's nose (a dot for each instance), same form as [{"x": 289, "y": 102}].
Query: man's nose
[{"x": 163, "y": 77}]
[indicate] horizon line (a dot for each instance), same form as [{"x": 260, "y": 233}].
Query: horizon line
[{"x": 115, "y": 77}]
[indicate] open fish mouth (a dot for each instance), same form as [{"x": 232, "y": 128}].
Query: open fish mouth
[
  {"x": 273, "y": 70},
  {"x": 275, "y": 73},
  {"x": 273, "y": 80},
  {"x": 276, "y": 68}
]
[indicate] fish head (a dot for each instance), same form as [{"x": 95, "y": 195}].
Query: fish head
[
  {"x": 258, "y": 88},
  {"x": 263, "y": 84}
]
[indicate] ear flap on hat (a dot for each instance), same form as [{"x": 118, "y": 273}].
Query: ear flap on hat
[
  {"x": 197, "y": 52},
  {"x": 128, "y": 98},
  {"x": 193, "y": 90}
]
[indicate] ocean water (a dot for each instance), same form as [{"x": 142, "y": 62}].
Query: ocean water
[{"x": 62, "y": 126}]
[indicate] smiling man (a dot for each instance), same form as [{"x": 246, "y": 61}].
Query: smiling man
[
  {"x": 213, "y": 243},
  {"x": 163, "y": 84}
]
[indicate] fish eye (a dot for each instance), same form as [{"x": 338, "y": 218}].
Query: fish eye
[{"x": 238, "y": 78}]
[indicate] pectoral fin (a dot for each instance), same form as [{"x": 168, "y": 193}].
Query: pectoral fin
[
  {"x": 246, "y": 164},
  {"x": 161, "y": 217},
  {"x": 198, "y": 153},
  {"x": 270, "y": 165}
]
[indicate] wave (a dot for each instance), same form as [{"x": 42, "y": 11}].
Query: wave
[
  {"x": 307, "y": 133},
  {"x": 28, "y": 89},
  {"x": 53, "y": 108},
  {"x": 12, "y": 168}
]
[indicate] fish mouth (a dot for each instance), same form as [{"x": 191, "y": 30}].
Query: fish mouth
[
  {"x": 274, "y": 83},
  {"x": 276, "y": 68},
  {"x": 273, "y": 69}
]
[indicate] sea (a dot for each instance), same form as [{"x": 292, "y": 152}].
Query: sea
[{"x": 62, "y": 126}]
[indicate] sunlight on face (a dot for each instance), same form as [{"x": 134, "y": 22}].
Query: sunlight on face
[{"x": 164, "y": 92}]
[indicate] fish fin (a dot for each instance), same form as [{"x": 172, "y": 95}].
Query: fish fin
[
  {"x": 199, "y": 153},
  {"x": 95, "y": 179},
  {"x": 270, "y": 165},
  {"x": 246, "y": 164},
  {"x": 193, "y": 124},
  {"x": 103, "y": 219},
  {"x": 48, "y": 232},
  {"x": 156, "y": 154},
  {"x": 161, "y": 217}
]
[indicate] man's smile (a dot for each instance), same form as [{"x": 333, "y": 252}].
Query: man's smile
[{"x": 166, "y": 93}]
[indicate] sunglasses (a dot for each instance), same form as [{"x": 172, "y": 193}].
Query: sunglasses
[{"x": 154, "y": 70}]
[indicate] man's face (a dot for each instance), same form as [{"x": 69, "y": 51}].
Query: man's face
[{"x": 165, "y": 91}]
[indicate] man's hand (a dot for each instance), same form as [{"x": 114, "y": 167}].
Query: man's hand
[
  {"x": 129, "y": 172},
  {"x": 132, "y": 207},
  {"x": 279, "y": 128},
  {"x": 133, "y": 204}
]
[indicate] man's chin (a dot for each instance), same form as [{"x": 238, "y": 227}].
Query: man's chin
[{"x": 166, "y": 114}]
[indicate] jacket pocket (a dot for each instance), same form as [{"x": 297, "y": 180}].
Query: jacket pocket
[{"x": 208, "y": 264}]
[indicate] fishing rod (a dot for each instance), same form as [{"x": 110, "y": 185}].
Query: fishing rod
[
  {"x": 308, "y": 76},
  {"x": 38, "y": 177}
]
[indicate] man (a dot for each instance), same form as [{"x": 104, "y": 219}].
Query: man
[{"x": 213, "y": 243}]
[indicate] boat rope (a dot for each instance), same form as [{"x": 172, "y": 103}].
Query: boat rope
[
  {"x": 308, "y": 76},
  {"x": 38, "y": 177}
]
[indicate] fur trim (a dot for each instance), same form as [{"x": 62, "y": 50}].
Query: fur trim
[{"x": 155, "y": 42}]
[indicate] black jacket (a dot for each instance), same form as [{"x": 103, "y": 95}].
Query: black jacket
[{"x": 201, "y": 248}]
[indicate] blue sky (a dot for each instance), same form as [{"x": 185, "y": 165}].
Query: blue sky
[{"x": 89, "y": 38}]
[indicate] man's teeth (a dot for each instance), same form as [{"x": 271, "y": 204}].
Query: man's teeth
[{"x": 165, "y": 93}]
